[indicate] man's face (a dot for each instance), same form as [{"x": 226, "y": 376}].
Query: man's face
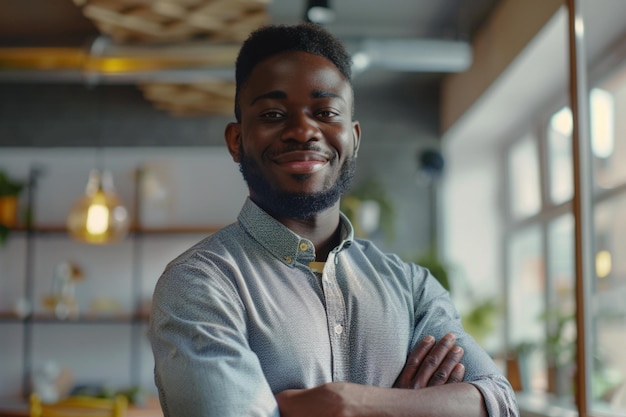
[{"x": 296, "y": 141}]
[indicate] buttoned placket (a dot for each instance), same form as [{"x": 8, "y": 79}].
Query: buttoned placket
[{"x": 337, "y": 318}]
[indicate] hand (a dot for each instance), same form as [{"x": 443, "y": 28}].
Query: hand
[{"x": 431, "y": 364}]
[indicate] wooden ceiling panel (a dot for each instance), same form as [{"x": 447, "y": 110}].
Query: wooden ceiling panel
[
  {"x": 175, "y": 20},
  {"x": 171, "y": 21},
  {"x": 195, "y": 99}
]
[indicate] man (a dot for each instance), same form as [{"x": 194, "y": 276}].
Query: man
[{"x": 284, "y": 312}]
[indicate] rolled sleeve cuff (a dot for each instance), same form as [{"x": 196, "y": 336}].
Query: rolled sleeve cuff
[{"x": 498, "y": 395}]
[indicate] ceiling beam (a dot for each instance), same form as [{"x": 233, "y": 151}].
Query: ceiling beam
[{"x": 512, "y": 25}]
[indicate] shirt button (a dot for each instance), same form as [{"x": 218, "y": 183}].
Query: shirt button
[
  {"x": 338, "y": 329},
  {"x": 303, "y": 246},
  {"x": 288, "y": 259}
]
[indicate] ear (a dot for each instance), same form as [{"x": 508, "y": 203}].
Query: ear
[
  {"x": 356, "y": 134},
  {"x": 232, "y": 134}
]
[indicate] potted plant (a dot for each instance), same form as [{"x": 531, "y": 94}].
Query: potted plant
[
  {"x": 10, "y": 190},
  {"x": 481, "y": 319},
  {"x": 369, "y": 209},
  {"x": 518, "y": 366},
  {"x": 430, "y": 260},
  {"x": 560, "y": 348}
]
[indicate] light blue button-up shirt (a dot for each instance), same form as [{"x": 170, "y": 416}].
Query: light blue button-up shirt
[{"x": 243, "y": 315}]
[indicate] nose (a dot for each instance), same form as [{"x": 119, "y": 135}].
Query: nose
[{"x": 301, "y": 127}]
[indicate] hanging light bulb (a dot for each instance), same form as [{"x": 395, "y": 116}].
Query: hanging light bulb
[{"x": 99, "y": 216}]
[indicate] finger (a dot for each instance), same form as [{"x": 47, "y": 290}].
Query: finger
[
  {"x": 413, "y": 362},
  {"x": 434, "y": 360},
  {"x": 457, "y": 374},
  {"x": 445, "y": 370}
]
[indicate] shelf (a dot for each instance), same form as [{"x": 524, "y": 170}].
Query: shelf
[
  {"x": 176, "y": 230},
  {"x": 166, "y": 230},
  {"x": 10, "y": 316},
  {"x": 49, "y": 318},
  {"x": 134, "y": 318}
]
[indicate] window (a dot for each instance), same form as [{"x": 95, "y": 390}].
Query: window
[
  {"x": 608, "y": 308},
  {"x": 607, "y": 106},
  {"x": 560, "y": 315},
  {"x": 526, "y": 300},
  {"x": 540, "y": 261},
  {"x": 536, "y": 225},
  {"x": 560, "y": 156},
  {"x": 525, "y": 198}
]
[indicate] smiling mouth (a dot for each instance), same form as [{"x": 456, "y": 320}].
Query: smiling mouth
[{"x": 301, "y": 161}]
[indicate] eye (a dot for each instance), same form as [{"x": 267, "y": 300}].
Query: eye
[
  {"x": 272, "y": 115},
  {"x": 327, "y": 114}
]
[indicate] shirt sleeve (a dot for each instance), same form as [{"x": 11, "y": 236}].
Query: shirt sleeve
[
  {"x": 436, "y": 315},
  {"x": 203, "y": 364}
]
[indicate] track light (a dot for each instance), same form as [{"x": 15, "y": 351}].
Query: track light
[
  {"x": 319, "y": 11},
  {"x": 414, "y": 55}
]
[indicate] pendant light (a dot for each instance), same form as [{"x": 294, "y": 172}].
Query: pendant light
[{"x": 98, "y": 217}]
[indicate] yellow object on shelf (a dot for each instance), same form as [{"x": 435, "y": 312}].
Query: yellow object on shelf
[
  {"x": 75, "y": 406},
  {"x": 8, "y": 211}
]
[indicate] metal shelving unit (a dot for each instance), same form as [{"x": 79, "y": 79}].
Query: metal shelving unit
[{"x": 136, "y": 318}]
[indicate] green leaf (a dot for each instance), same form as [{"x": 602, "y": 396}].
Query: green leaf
[{"x": 9, "y": 186}]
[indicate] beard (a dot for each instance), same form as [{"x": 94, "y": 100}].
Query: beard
[{"x": 301, "y": 206}]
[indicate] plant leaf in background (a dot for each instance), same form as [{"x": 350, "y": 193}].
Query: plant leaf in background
[
  {"x": 480, "y": 320},
  {"x": 10, "y": 190},
  {"x": 437, "y": 268},
  {"x": 369, "y": 191},
  {"x": 9, "y": 186}
]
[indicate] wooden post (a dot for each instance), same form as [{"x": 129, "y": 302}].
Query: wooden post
[{"x": 583, "y": 200}]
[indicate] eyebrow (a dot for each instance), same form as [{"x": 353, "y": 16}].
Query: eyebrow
[
  {"x": 269, "y": 94},
  {"x": 279, "y": 94},
  {"x": 326, "y": 94}
]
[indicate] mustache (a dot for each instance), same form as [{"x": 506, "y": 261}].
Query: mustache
[{"x": 307, "y": 147}]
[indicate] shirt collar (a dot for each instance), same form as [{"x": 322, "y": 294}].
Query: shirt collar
[{"x": 279, "y": 239}]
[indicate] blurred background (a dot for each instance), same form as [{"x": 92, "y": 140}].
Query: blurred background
[{"x": 466, "y": 166}]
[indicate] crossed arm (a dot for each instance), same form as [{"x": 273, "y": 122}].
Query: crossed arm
[{"x": 430, "y": 384}]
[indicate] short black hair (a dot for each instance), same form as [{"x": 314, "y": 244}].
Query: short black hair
[{"x": 274, "y": 39}]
